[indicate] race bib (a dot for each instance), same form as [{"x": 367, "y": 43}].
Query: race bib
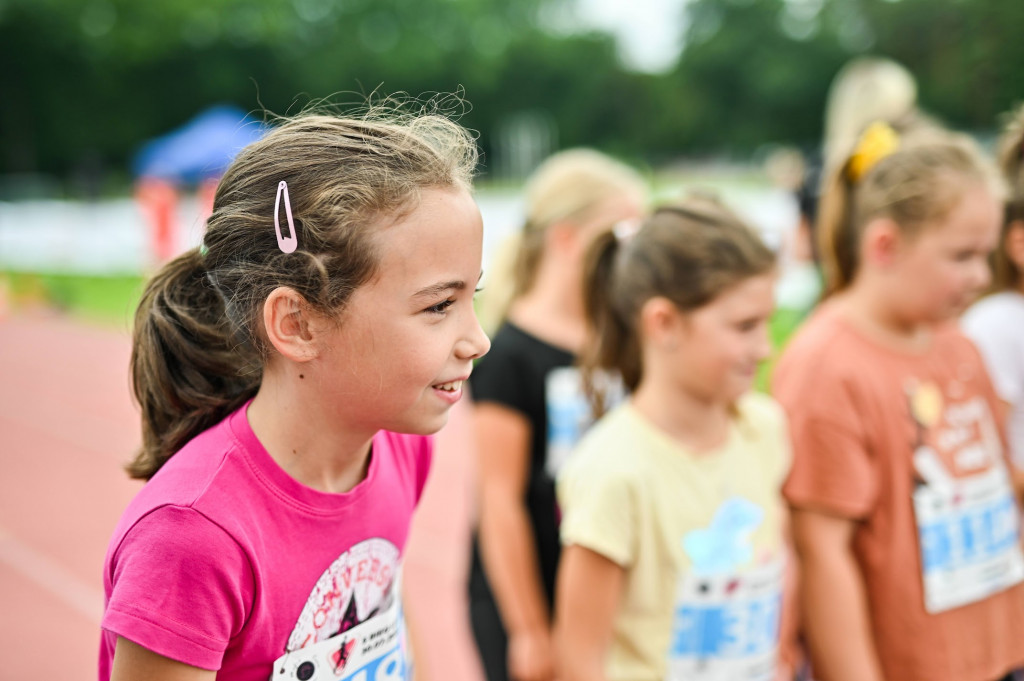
[
  {"x": 969, "y": 535},
  {"x": 569, "y": 412},
  {"x": 371, "y": 651},
  {"x": 725, "y": 627}
]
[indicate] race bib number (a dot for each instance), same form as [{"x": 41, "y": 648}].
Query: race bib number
[
  {"x": 969, "y": 536},
  {"x": 371, "y": 651},
  {"x": 726, "y": 627}
]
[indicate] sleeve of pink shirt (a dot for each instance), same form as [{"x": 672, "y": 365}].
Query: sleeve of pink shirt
[{"x": 181, "y": 587}]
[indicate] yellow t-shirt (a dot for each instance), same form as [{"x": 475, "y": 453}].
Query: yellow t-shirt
[{"x": 700, "y": 537}]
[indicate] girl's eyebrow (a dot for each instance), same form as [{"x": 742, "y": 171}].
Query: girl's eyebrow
[
  {"x": 443, "y": 287},
  {"x": 437, "y": 289}
]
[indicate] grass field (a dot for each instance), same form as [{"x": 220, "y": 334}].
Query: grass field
[{"x": 106, "y": 300}]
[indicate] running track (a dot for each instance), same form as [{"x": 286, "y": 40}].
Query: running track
[{"x": 67, "y": 424}]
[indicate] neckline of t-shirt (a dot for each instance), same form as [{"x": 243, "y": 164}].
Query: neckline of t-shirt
[
  {"x": 287, "y": 488},
  {"x": 668, "y": 444},
  {"x": 838, "y": 318}
]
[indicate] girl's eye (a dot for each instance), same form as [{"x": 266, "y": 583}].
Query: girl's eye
[{"x": 441, "y": 307}]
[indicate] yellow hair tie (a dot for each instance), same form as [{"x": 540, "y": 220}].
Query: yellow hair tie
[{"x": 878, "y": 141}]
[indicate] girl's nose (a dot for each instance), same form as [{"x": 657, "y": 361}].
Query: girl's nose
[
  {"x": 982, "y": 274},
  {"x": 475, "y": 343}
]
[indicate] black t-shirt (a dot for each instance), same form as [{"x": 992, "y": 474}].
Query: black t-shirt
[{"x": 525, "y": 374}]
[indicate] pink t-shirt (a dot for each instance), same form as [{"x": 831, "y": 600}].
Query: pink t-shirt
[{"x": 225, "y": 562}]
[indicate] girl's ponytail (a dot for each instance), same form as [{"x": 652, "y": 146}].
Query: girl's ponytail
[
  {"x": 188, "y": 369},
  {"x": 837, "y": 238},
  {"x": 837, "y": 234},
  {"x": 612, "y": 344}
]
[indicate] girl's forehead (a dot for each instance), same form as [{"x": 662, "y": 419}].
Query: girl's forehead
[{"x": 441, "y": 238}]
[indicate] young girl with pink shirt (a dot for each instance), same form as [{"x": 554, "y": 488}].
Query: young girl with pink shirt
[{"x": 289, "y": 372}]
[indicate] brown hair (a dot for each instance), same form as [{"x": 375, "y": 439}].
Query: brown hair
[
  {"x": 198, "y": 345},
  {"x": 688, "y": 252},
  {"x": 916, "y": 185},
  {"x": 1005, "y": 274}
]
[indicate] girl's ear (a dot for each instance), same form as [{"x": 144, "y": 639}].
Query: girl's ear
[
  {"x": 661, "y": 322},
  {"x": 1014, "y": 243},
  {"x": 881, "y": 242},
  {"x": 286, "y": 321}
]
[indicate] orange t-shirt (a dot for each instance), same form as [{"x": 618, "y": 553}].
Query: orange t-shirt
[{"x": 911, "y": 447}]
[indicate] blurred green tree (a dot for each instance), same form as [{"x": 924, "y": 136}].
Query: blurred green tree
[{"x": 85, "y": 81}]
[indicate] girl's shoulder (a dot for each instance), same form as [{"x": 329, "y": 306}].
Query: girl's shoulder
[
  {"x": 192, "y": 471},
  {"x": 824, "y": 347},
  {"x": 608, "y": 443},
  {"x": 760, "y": 411},
  {"x": 762, "y": 423},
  {"x": 759, "y": 405}
]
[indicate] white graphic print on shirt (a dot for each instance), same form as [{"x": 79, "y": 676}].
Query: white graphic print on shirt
[
  {"x": 351, "y": 626},
  {"x": 725, "y": 626},
  {"x": 968, "y": 523}
]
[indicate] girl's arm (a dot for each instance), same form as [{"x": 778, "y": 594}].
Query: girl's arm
[
  {"x": 790, "y": 655},
  {"x": 587, "y": 600},
  {"x": 507, "y": 543},
  {"x": 833, "y": 600},
  {"x": 132, "y": 662}
]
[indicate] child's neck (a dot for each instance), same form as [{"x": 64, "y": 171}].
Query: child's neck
[
  {"x": 872, "y": 313},
  {"x": 699, "y": 424},
  {"x": 307, "y": 443}
]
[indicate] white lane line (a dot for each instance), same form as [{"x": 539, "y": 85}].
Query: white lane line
[{"x": 48, "y": 574}]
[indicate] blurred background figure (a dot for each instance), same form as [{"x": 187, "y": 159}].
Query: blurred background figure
[
  {"x": 799, "y": 284},
  {"x": 530, "y": 407},
  {"x": 865, "y": 90},
  {"x": 673, "y": 522},
  {"x": 192, "y": 156},
  {"x": 996, "y": 322},
  {"x": 158, "y": 202},
  {"x": 895, "y": 583}
]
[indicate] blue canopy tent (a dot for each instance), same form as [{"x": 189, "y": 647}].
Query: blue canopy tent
[{"x": 200, "y": 149}]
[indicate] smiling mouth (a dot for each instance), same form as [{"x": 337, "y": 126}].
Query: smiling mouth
[{"x": 454, "y": 386}]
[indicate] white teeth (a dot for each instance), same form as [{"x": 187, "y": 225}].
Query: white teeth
[{"x": 449, "y": 387}]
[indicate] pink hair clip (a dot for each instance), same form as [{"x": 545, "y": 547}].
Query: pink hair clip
[{"x": 289, "y": 243}]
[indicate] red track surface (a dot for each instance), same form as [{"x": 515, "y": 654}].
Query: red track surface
[{"x": 67, "y": 424}]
